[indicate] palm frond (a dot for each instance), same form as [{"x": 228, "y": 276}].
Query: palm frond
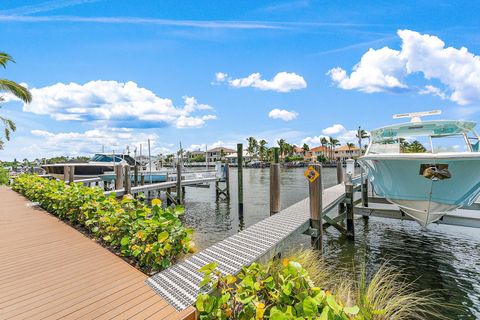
[
  {"x": 9, "y": 125},
  {"x": 16, "y": 89},
  {"x": 4, "y": 59}
]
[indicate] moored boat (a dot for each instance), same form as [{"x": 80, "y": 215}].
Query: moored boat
[{"x": 425, "y": 180}]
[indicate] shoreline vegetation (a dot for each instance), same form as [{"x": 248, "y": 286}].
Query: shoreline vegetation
[
  {"x": 303, "y": 286},
  {"x": 151, "y": 237}
]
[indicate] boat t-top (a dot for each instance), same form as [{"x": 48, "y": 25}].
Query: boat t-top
[{"x": 426, "y": 168}]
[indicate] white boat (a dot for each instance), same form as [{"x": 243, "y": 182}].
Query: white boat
[{"x": 426, "y": 168}]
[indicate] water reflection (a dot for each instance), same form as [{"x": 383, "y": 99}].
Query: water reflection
[{"x": 446, "y": 258}]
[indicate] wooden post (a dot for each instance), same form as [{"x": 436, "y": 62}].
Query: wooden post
[
  {"x": 340, "y": 178},
  {"x": 339, "y": 171},
  {"x": 179, "y": 184},
  {"x": 316, "y": 223},
  {"x": 365, "y": 193},
  {"x": 72, "y": 174},
  {"x": 135, "y": 175},
  {"x": 142, "y": 180},
  {"x": 128, "y": 181},
  {"x": 227, "y": 179},
  {"x": 240, "y": 177},
  {"x": 349, "y": 207},
  {"x": 275, "y": 185},
  {"x": 118, "y": 177},
  {"x": 66, "y": 174}
]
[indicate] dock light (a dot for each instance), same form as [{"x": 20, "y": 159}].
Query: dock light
[{"x": 350, "y": 167}]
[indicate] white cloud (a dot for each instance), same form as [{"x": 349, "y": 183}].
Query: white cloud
[
  {"x": 119, "y": 104},
  {"x": 378, "y": 70},
  {"x": 220, "y": 76},
  {"x": 386, "y": 69},
  {"x": 219, "y": 143},
  {"x": 91, "y": 141},
  {"x": 429, "y": 89},
  {"x": 312, "y": 141},
  {"x": 281, "y": 82},
  {"x": 333, "y": 130},
  {"x": 282, "y": 114}
]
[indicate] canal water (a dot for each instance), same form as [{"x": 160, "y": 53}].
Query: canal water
[{"x": 442, "y": 258}]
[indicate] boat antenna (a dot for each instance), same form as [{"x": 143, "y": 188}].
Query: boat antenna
[{"x": 415, "y": 117}]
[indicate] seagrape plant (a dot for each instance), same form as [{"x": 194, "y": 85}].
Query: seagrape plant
[
  {"x": 150, "y": 236},
  {"x": 303, "y": 286},
  {"x": 260, "y": 292}
]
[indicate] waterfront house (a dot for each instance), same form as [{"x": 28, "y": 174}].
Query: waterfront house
[
  {"x": 318, "y": 151},
  {"x": 217, "y": 154},
  {"x": 345, "y": 152},
  {"x": 247, "y": 157}
]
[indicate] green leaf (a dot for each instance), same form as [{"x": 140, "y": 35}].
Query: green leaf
[
  {"x": 125, "y": 241},
  {"x": 208, "y": 268},
  {"x": 352, "y": 310},
  {"x": 107, "y": 238},
  {"x": 333, "y": 304},
  {"x": 325, "y": 313},
  {"x": 310, "y": 307},
  {"x": 162, "y": 236}
]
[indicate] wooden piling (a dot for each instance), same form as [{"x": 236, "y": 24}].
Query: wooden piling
[
  {"x": 315, "y": 195},
  {"x": 349, "y": 207},
  {"x": 365, "y": 193},
  {"x": 127, "y": 180},
  {"x": 66, "y": 174},
  {"x": 142, "y": 180},
  {"x": 71, "y": 177},
  {"x": 240, "y": 177},
  {"x": 340, "y": 179},
  {"x": 118, "y": 177},
  {"x": 275, "y": 185},
  {"x": 179, "y": 184},
  {"x": 135, "y": 175}
]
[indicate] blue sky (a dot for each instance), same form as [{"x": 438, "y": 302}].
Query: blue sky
[{"x": 116, "y": 73}]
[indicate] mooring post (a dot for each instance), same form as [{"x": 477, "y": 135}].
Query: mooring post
[
  {"x": 142, "y": 180},
  {"x": 66, "y": 174},
  {"x": 349, "y": 206},
  {"x": 128, "y": 182},
  {"x": 275, "y": 184},
  {"x": 135, "y": 175},
  {"x": 240, "y": 177},
  {"x": 365, "y": 193},
  {"x": 179, "y": 184},
  {"x": 227, "y": 179},
  {"x": 118, "y": 177},
  {"x": 340, "y": 178},
  {"x": 315, "y": 195},
  {"x": 71, "y": 177}
]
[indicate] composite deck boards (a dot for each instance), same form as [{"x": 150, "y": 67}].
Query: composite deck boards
[{"x": 49, "y": 270}]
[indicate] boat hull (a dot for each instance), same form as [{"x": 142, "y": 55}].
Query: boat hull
[
  {"x": 425, "y": 186},
  {"x": 82, "y": 171}
]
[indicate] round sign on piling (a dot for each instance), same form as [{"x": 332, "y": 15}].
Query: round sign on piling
[{"x": 311, "y": 174}]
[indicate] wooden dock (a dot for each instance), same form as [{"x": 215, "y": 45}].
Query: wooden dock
[{"x": 49, "y": 270}]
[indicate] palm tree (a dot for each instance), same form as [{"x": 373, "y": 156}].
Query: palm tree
[
  {"x": 361, "y": 134},
  {"x": 333, "y": 143},
  {"x": 281, "y": 143},
  {"x": 252, "y": 146},
  {"x": 262, "y": 148},
  {"x": 324, "y": 143},
  {"x": 350, "y": 145},
  {"x": 8, "y": 86},
  {"x": 416, "y": 147},
  {"x": 305, "y": 148}
]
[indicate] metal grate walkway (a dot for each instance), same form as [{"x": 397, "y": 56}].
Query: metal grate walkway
[{"x": 179, "y": 284}]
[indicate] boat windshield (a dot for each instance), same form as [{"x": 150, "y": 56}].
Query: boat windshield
[
  {"x": 425, "y": 144},
  {"x": 109, "y": 158},
  {"x": 425, "y": 137}
]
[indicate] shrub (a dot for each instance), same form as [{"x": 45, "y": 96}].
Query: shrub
[
  {"x": 151, "y": 236},
  {"x": 4, "y": 176},
  {"x": 302, "y": 286}
]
